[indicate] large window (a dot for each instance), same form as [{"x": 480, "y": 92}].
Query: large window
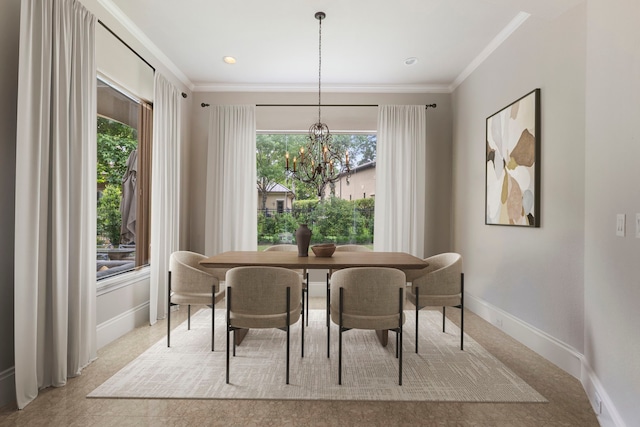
[
  {"x": 345, "y": 215},
  {"x": 123, "y": 151}
]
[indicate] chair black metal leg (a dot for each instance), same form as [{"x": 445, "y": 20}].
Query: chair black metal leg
[
  {"x": 400, "y": 358},
  {"x": 417, "y": 308},
  {"x": 461, "y": 311},
  {"x": 328, "y": 301},
  {"x": 228, "y": 328},
  {"x": 462, "y": 327},
  {"x": 443, "y": 312},
  {"x": 213, "y": 314},
  {"x": 288, "y": 327},
  {"x": 340, "y": 340},
  {"x": 308, "y": 289},
  {"x": 302, "y": 327},
  {"x": 328, "y": 315},
  {"x": 227, "y": 354},
  {"x": 397, "y": 336},
  {"x": 189, "y": 317},
  {"x": 399, "y": 344},
  {"x": 169, "y": 311}
]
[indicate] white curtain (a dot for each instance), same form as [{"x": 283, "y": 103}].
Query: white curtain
[
  {"x": 232, "y": 195},
  {"x": 55, "y": 225},
  {"x": 165, "y": 191},
  {"x": 400, "y": 179}
]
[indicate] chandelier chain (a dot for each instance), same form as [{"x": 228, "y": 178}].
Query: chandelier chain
[
  {"x": 319, "y": 67},
  {"x": 319, "y": 163}
]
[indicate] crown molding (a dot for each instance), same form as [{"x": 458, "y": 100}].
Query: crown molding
[
  {"x": 140, "y": 36},
  {"x": 511, "y": 27},
  {"x": 326, "y": 88},
  {"x": 137, "y": 33}
]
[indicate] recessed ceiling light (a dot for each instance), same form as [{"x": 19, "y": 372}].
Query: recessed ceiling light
[
  {"x": 411, "y": 61},
  {"x": 229, "y": 59}
]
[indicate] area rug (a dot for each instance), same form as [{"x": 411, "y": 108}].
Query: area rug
[{"x": 440, "y": 372}]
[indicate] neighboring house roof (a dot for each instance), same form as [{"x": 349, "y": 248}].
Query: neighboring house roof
[
  {"x": 278, "y": 188},
  {"x": 361, "y": 167}
]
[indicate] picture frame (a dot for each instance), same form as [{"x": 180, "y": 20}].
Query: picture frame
[{"x": 512, "y": 179}]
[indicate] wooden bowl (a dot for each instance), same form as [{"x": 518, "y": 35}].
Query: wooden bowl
[{"x": 324, "y": 250}]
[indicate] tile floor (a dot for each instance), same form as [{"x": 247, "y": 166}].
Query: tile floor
[{"x": 67, "y": 406}]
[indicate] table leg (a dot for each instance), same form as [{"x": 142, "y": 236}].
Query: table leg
[
  {"x": 240, "y": 334},
  {"x": 383, "y": 336}
]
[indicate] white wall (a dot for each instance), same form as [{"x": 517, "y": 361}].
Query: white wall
[
  {"x": 121, "y": 306},
  {"x": 9, "y": 40},
  {"x": 119, "y": 65},
  {"x": 535, "y": 274},
  {"x": 339, "y": 119},
  {"x": 571, "y": 283},
  {"x": 612, "y": 267}
]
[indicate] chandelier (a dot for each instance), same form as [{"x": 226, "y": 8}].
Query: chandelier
[{"x": 318, "y": 163}]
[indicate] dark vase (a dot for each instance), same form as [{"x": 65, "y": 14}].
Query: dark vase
[{"x": 303, "y": 237}]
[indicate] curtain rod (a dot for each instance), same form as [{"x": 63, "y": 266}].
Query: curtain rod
[
  {"x": 316, "y": 105},
  {"x": 125, "y": 43},
  {"x": 184, "y": 95}
]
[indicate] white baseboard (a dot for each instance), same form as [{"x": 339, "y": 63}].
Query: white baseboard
[
  {"x": 549, "y": 347},
  {"x": 105, "y": 333},
  {"x": 608, "y": 415},
  {"x": 557, "y": 352},
  {"x": 7, "y": 386},
  {"x": 125, "y": 322}
]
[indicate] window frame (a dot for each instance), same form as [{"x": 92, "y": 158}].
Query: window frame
[
  {"x": 140, "y": 271},
  {"x": 267, "y": 212}
]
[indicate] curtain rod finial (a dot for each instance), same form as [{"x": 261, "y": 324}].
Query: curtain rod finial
[{"x": 204, "y": 105}]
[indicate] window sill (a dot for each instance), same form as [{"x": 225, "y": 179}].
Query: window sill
[{"x": 123, "y": 280}]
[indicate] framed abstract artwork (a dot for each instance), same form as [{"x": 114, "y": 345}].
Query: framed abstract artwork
[{"x": 512, "y": 193}]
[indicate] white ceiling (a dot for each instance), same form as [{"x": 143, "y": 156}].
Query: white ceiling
[{"x": 364, "y": 42}]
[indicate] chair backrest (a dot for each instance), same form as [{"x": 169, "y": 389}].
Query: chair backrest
[
  {"x": 286, "y": 248},
  {"x": 257, "y": 296},
  {"x": 188, "y": 276},
  {"x": 282, "y": 248},
  {"x": 352, "y": 248},
  {"x": 349, "y": 248},
  {"x": 218, "y": 273},
  {"x": 442, "y": 276},
  {"x": 370, "y": 297}
]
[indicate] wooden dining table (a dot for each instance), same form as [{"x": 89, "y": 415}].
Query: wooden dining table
[
  {"x": 399, "y": 260},
  {"x": 285, "y": 259}
]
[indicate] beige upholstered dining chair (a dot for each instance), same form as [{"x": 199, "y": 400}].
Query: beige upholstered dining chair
[
  {"x": 441, "y": 284},
  {"x": 341, "y": 248},
  {"x": 304, "y": 275},
  {"x": 189, "y": 284},
  {"x": 368, "y": 298},
  {"x": 263, "y": 297},
  {"x": 218, "y": 273},
  {"x": 353, "y": 248},
  {"x": 347, "y": 248}
]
